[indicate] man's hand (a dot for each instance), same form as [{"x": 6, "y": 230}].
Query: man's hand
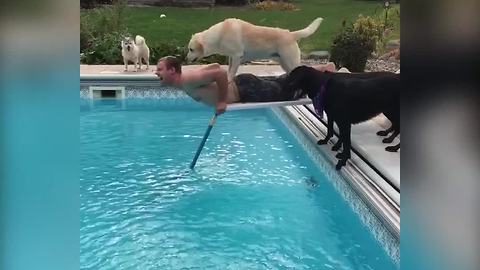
[{"x": 220, "y": 107}]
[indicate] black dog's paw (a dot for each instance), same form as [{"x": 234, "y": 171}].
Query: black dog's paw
[
  {"x": 382, "y": 133},
  {"x": 336, "y": 146},
  {"x": 393, "y": 148},
  {"x": 340, "y": 164},
  {"x": 343, "y": 155},
  {"x": 323, "y": 141},
  {"x": 388, "y": 140}
]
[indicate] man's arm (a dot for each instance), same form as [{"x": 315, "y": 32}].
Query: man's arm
[
  {"x": 221, "y": 79},
  {"x": 213, "y": 74}
]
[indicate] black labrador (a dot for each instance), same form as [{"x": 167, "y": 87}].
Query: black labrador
[{"x": 350, "y": 98}]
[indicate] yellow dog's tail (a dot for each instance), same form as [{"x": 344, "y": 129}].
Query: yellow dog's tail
[{"x": 307, "y": 31}]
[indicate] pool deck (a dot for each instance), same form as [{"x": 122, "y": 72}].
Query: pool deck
[
  {"x": 265, "y": 70},
  {"x": 363, "y": 135}
]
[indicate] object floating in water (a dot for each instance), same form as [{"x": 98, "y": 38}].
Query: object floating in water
[{"x": 311, "y": 182}]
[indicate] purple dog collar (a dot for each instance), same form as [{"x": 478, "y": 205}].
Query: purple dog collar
[{"x": 319, "y": 101}]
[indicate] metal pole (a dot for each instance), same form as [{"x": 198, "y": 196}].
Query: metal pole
[{"x": 205, "y": 137}]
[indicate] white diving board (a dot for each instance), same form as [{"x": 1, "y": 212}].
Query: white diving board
[{"x": 258, "y": 105}]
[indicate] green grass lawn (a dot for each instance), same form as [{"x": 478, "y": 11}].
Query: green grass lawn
[{"x": 181, "y": 23}]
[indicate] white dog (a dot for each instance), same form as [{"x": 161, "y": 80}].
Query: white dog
[
  {"x": 134, "y": 51},
  {"x": 242, "y": 41}
]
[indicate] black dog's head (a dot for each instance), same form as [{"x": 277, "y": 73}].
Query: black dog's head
[{"x": 307, "y": 79}]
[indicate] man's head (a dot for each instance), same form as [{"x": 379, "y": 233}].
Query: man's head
[{"x": 168, "y": 69}]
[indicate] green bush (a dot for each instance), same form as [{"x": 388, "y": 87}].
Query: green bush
[
  {"x": 105, "y": 50},
  {"x": 164, "y": 49},
  {"x": 369, "y": 30},
  {"x": 351, "y": 50},
  {"x": 243, "y": 2},
  {"x": 353, "y": 45},
  {"x": 216, "y": 58},
  {"x": 172, "y": 48},
  {"x": 231, "y": 2},
  {"x": 274, "y": 5},
  {"x": 88, "y": 4},
  {"x": 86, "y": 35},
  {"x": 101, "y": 32}
]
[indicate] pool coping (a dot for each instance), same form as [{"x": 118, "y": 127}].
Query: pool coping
[{"x": 118, "y": 70}]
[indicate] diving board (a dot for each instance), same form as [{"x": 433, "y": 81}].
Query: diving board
[{"x": 258, "y": 105}]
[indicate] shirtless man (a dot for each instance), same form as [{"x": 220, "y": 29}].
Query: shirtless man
[{"x": 210, "y": 85}]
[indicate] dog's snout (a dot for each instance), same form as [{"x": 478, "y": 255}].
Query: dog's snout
[{"x": 189, "y": 59}]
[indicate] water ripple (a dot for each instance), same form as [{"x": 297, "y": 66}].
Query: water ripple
[{"x": 245, "y": 206}]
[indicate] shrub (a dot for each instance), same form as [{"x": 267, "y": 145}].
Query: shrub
[
  {"x": 88, "y": 4},
  {"x": 216, "y": 58},
  {"x": 101, "y": 32},
  {"x": 164, "y": 49},
  {"x": 172, "y": 48},
  {"x": 350, "y": 49},
  {"x": 244, "y": 2},
  {"x": 353, "y": 45},
  {"x": 105, "y": 50},
  {"x": 86, "y": 35},
  {"x": 232, "y": 2},
  {"x": 274, "y": 5},
  {"x": 369, "y": 30}
]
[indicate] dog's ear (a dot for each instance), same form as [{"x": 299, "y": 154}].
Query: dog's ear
[
  {"x": 310, "y": 80},
  {"x": 294, "y": 78},
  {"x": 295, "y": 81},
  {"x": 200, "y": 47}
]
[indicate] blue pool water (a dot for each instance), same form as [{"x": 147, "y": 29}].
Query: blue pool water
[{"x": 254, "y": 201}]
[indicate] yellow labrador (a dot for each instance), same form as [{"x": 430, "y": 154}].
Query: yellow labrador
[{"x": 242, "y": 41}]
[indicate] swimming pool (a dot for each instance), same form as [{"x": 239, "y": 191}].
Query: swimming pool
[{"x": 256, "y": 199}]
